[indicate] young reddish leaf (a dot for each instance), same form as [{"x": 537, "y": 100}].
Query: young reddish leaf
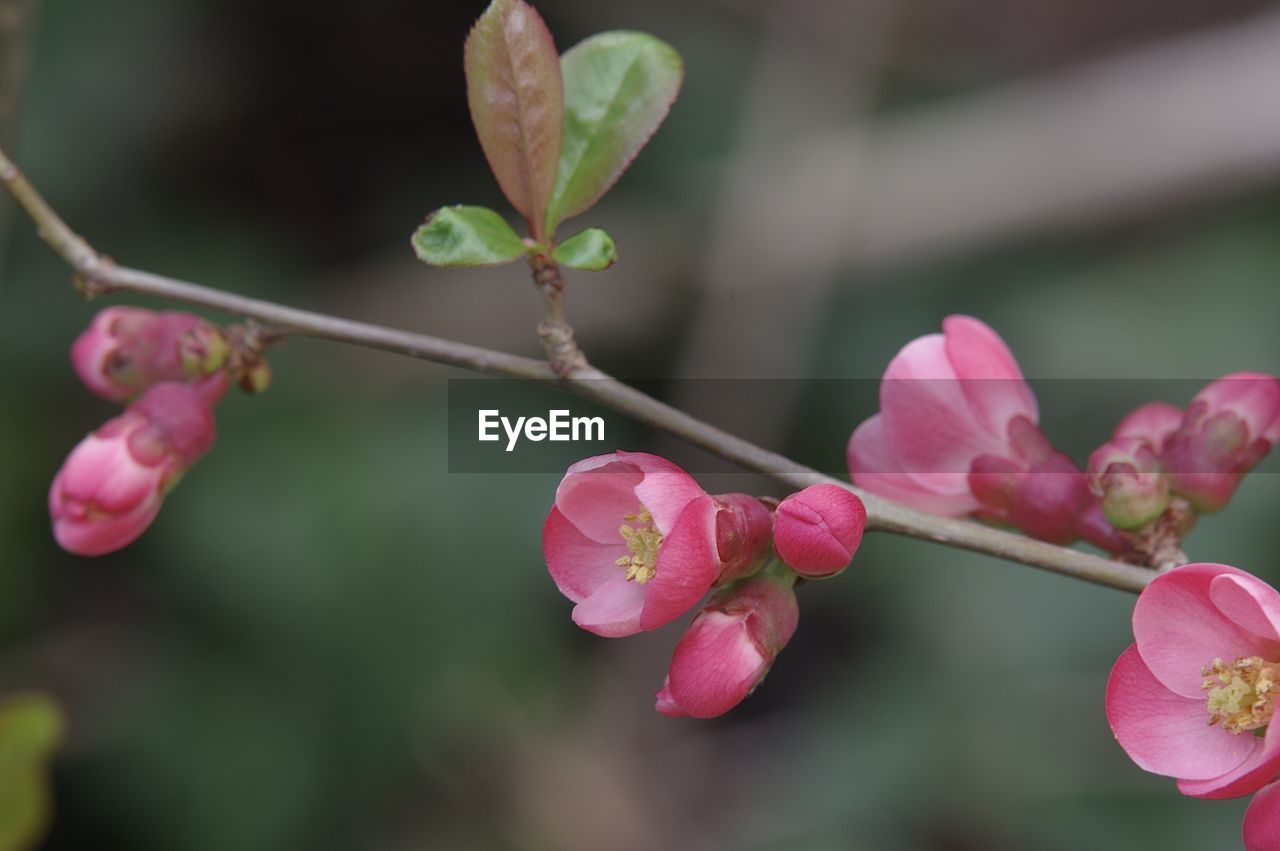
[
  {"x": 517, "y": 104},
  {"x": 618, "y": 87}
]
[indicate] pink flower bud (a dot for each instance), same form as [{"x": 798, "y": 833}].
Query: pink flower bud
[
  {"x": 1229, "y": 427},
  {"x": 125, "y": 350},
  {"x": 1152, "y": 424},
  {"x": 1037, "y": 489},
  {"x": 111, "y": 486},
  {"x": 631, "y": 540},
  {"x": 729, "y": 647},
  {"x": 817, "y": 531},
  {"x": 744, "y": 527},
  {"x": 1126, "y": 474}
]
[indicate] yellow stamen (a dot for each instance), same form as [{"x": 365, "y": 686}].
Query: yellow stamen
[
  {"x": 643, "y": 540},
  {"x": 1242, "y": 695}
]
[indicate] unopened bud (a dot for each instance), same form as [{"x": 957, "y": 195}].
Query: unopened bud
[
  {"x": 743, "y": 529},
  {"x": 817, "y": 531},
  {"x": 1229, "y": 427},
  {"x": 1127, "y": 476},
  {"x": 127, "y": 350},
  {"x": 730, "y": 646}
]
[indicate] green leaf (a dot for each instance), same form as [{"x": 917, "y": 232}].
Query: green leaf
[
  {"x": 467, "y": 236},
  {"x": 517, "y": 104},
  {"x": 618, "y": 87},
  {"x": 591, "y": 249},
  {"x": 30, "y": 728}
]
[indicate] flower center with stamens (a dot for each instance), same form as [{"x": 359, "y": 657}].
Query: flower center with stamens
[
  {"x": 643, "y": 540},
  {"x": 1241, "y": 695}
]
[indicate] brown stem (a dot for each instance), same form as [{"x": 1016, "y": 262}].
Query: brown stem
[
  {"x": 568, "y": 369},
  {"x": 555, "y": 332}
]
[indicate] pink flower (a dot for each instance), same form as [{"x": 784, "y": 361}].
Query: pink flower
[
  {"x": 1262, "y": 820},
  {"x": 817, "y": 531},
  {"x": 957, "y": 435},
  {"x": 111, "y": 486},
  {"x": 1193, "y": 697},
  {"x": 1228, "y": 428},
  {"x": 125, "y": 350},
  {"x": 632, "y": 540},
  {"x": 729, "y": 647},
  {"x": 1127, "y": 475}
]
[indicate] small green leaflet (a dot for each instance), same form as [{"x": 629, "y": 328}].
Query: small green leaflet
[
  {"x": 591, "y": 250},
  {"x": 467, "y": 236}
]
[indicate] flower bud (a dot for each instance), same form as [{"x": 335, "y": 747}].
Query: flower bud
[
  {"x": 743, "y": 529},
  {"x": 729, "y": 647},
  {"x": 125, "y": 350},
  {"x": 1229, "y": 427},
  {"x": 111, "y": 486},
  {"x": 1039, "y": 490},
  {"x": 1152, "y": 424},
  {"x": 817, "y": 531},
  {"x": 1126, "y": 474}
]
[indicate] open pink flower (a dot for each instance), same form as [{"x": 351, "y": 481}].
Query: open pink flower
[
  {"x": 125, "y": 350},
  {"x": 957, "y": 435},
  {"x": 729, "y": 647},
  {"x": 632, "y": 540},
  {"x": 1193, "y": 697},
  {"x": 817, "y": 531},
  {"x": 111, "y": 486}
]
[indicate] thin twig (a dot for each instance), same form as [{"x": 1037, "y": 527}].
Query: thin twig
[{"x": 100, "y": 275}]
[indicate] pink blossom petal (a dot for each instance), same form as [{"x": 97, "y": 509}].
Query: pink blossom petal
[
  {"x": 613, "y": 609},
  {"x": 1152, "y": 424},
  {"x": 872, "y": 466},
  {"x": 715, "y": 665},
  {"x": 990, "y": 376},
  {"x": 1179, "y": 630},
  {"x": 578, "y": 564},
  {"x": 687, "y": 565},
  {"x": 103, "y": 473},
  {"x": 89, "y": 533},
  {"x": 930, "y": 425},
  {"x": 1165, "y": 733},
  {"x": 596, "y": 498},
  {"x": 666, "y": 488},
  {"x": 1252, "y": 604},
  {"x": 1259, "y": 769},
  {"x": 1262, "y": 820},
  {"x": 665, "y": 703}
]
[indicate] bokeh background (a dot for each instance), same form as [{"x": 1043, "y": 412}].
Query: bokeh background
[{"x": 328, "y": 641}]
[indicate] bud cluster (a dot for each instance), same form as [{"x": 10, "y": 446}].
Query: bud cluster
[
  {"x": 635, "y": 543},
  {"x": 958, "y": 434},
  {"x": 171, "y": 368}
]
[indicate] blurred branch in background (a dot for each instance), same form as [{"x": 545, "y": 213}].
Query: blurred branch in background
[
  {"x": 17, "y": 20},
  {"x": 1100, "y": 143},
  {"x": 814, "y": 70}
]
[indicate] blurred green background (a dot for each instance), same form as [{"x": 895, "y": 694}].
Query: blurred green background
[{"x": 328, "y": 641}]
